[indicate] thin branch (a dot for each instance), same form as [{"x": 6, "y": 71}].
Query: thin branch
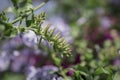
[{"x": 19, "y": 18}]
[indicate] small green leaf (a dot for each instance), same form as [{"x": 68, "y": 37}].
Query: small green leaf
[
  {"x": 2, "y": 28},
  {"x": 57, "y": 60},
  {"x": 101, "y": 70},
  {"x": 46, "y": 29},
  {"x": 57, "y": 36},
  {"x": 117, "y": 76},
  {"x": 51, "y": 32},
  {"x": 77, "y": 76},
  {"x": 28, "y": 23},
  {"x": 15, "y": 3},
  {"x": 83, "y": 73},
  {"x": 13, "y": 32},
  {"x": 81, "y": 68}
]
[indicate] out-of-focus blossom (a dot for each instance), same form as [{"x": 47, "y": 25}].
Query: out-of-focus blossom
[
  {"x": 31, "y": 73},
  {"x": 116, "y": 62},
  {"x": 77, "y": 59},
  {"x": 70, "y": 73},
  {"x": 4, "y": 61},
  {"x": 115, "y": 2},
  {"x": 105, "y": 23},
  {"x": 66, "y": 63},
  {"x": 21, "y": 56},
  {"x": 29, "y": 38},
  {"x": 25, "y": 58},
  {"x": 119, "y": 51},
  {"x": 98, "y": 36},
  {"x": 18, "y": 61},
  {"x": 100, "y": 11},
  {"x": 4, "y": 4},
  {"x": 44, "y": 73},
  {"x": 81, "y": 21},
  {"x": 12, "y": 44}
]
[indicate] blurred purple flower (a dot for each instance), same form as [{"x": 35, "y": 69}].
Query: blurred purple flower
[
  {"x": 29, "y": 38},
  {"x": 105, "y": 23},
  {"x": 115, "y": 2},
  {"x": 25, "y": 58},
  {"x": 116, "y": 62},
  {"x": 45, "y": 73},
  {"x": 77, "y": 59},
  {"x": 12, "y": 44},
  {"x": 81, "y": 21},
  {"x": 70, "y": 73},
  {"x": 66, "y": 63},
  {"x": 18, "y": 61},
  {"x": 4, "y": 61},
  {"x": 98, "y": 35}
]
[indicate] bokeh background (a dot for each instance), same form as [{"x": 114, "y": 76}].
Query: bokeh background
[{"x": 91, "y": 27}]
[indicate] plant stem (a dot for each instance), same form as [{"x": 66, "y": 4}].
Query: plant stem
[{"x": 19, "y": 18}]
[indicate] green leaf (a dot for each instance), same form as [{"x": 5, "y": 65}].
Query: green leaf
[
  {"x": 51, "y": 32},
  {"x": 81, "y": 68},
  {"x": 13, "y": 32},
  {"x": 57, "y": 60},
  {"x": 101, "y": 70},
  {"x": 117, "y": 76},
  {"x": 29, "y": 1},
  {"x": 110, "y": 77},
  {"x": 46, "y": 29},
  {"x": 77, "y": 76},
  {"x": 83, "y": 73},
  {"x": 2, "y": 28},
  {"x": 15, "y": 3},
  {"x": 28, "y": 23}
]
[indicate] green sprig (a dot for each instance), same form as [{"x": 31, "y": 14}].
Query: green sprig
[{"x": 59, "y": 44}]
